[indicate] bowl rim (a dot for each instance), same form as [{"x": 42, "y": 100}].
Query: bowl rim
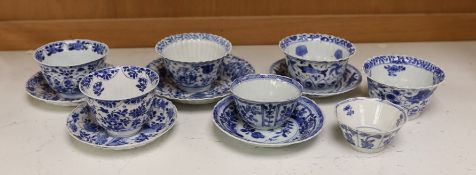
[
  {"x": 248, "y": 77},
  {"x": 228, "y": 46},
  {"x": 42, "y": 47},
  {"x": 404, "y": 113},
  {"x": 405, "y": 56},
  {"x": 156, "y": 83},
  {"x": 352, "y": 49}
]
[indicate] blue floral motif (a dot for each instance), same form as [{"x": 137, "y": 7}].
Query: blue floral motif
[
  {"x": 141, "y": 110},
  {"x": 247, "y": 129},
  {"x": 349, "y": 110},
  {"x": 106, "y": 74},
  {"x": 98, "y": 88},
  {"x": 39, "y": 55},
  {"x": 99, "y": 48},
  {"x": 393, "y": 69},
  {"x": 54, "y": 48},
  {"x": 78, "y": 45},
  {"x": 142, "y": 84},
  {"x": 338, "y": 54}
]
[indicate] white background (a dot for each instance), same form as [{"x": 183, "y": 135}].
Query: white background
[{"x": 441, "y": 141}]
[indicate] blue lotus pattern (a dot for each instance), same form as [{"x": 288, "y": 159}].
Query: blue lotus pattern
[
  {"x": 233, "y": 67},
  {"x": 82, "y": 125},
  {"x": 305, "y": 122},
  {"x": 393, "y": 69},
  {"x": 413, "y": 101}
]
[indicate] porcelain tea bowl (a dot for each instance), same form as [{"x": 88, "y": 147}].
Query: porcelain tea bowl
[
  {"x": 64, "y": 63},
  {"x": 317, "y": 61},
  {"x": 193, "y": 59},
  {"x": 120, "y": 97},
  {"x": 265, "y": 101},
  {"x": 403, "y": 80},
  {"x": 369, "y": 124}
]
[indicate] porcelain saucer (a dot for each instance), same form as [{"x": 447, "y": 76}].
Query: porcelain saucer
[
  {"x": 306, "y": 123},
  {"x": 233, "y": 67},
  {"x": 351, "y": 80},
  {"x": 38, "y": 88},
  {"x": 82, "y": 126}
]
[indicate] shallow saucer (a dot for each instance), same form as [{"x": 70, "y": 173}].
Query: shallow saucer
[
  {"x": 233, "y": 67},
  {"x": 305, "y": 123},
  {"x": 38, "y": 88},
  {"x": 351, "y": 80},
  {"x": 82, "y": 126}
]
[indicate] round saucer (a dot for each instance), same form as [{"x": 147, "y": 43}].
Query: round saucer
[
  {"x": 83, "y": 127},
  {"x": 351, "y": 80},
  {"x": 38, "y": 88},
  {"x": 233, "y": 67},
  {"x": 306, "y": 123}
]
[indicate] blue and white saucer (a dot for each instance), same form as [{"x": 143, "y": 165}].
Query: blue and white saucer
[
  {"x": 233, "y": 67},
  {"x": 83, "y": 127},
  {"x": 38, "y": 88},
  {"x": 306, "y": 123},
  {"x": 351, "y": 80}
]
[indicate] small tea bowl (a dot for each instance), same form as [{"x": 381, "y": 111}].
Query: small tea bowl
[
  {"x": 317, "y": 61},
  {"x": 265, "y": 101},
  {"x": 64, "y": 63},
  {"x": 369, "y": 124},
  {"x": 120, "y": 97},
  {"x": 403, "y": 80},
  {"x": 193, "y": 59}
]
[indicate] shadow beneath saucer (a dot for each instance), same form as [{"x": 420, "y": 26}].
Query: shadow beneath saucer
[
  {"x": 46, "y": 106},
  {"x": 244, "y": 148},
  {"x": 115, "y": 154}
]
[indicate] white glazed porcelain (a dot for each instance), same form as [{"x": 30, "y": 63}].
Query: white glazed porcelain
[
  {"x": 369, "y": 124},
  {"x": 64, "y": 63},
  {"x": 317, "y": 61},
  {"x": 193, "y": 59},
  {"x": 120, "y": 97},
  {"x": 265, "y": 101},
  {"x": 403, "y": 80}
]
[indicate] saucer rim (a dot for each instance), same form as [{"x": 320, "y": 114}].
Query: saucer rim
[
  {"x": 270, "y": 144},
  {"x": 57, "y": 102},
  {"x": 206, "y": 100},
  {"x": 53, "y": 102},
  {"x": 126, "y": 146},
  {"x": 321, "y": 95}
]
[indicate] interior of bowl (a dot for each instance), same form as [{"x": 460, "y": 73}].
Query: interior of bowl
[
  {"x": 369, "y": 115},
  {"x": 317, "y": 47},
  {"x": 266, "y": 88},
  {"x": 193, "y": 47},
  {"x": 118, "y": 83},
  {"x": 70, "y": 52},
  {"x": 403, "y": 71}
]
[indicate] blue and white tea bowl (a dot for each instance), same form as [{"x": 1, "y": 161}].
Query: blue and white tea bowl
[
  {"x": 64, "y": 63},
  {"x": 305, "y": 123},
  {"x": 369, "y": 124},
  {"x": 265, "y": 101},
  {"x": 120, "y": 97},
  {"x": 193, "y": 59},
  {"x": 317, "y": 61},
  {"x": 403, "y": 80}
]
